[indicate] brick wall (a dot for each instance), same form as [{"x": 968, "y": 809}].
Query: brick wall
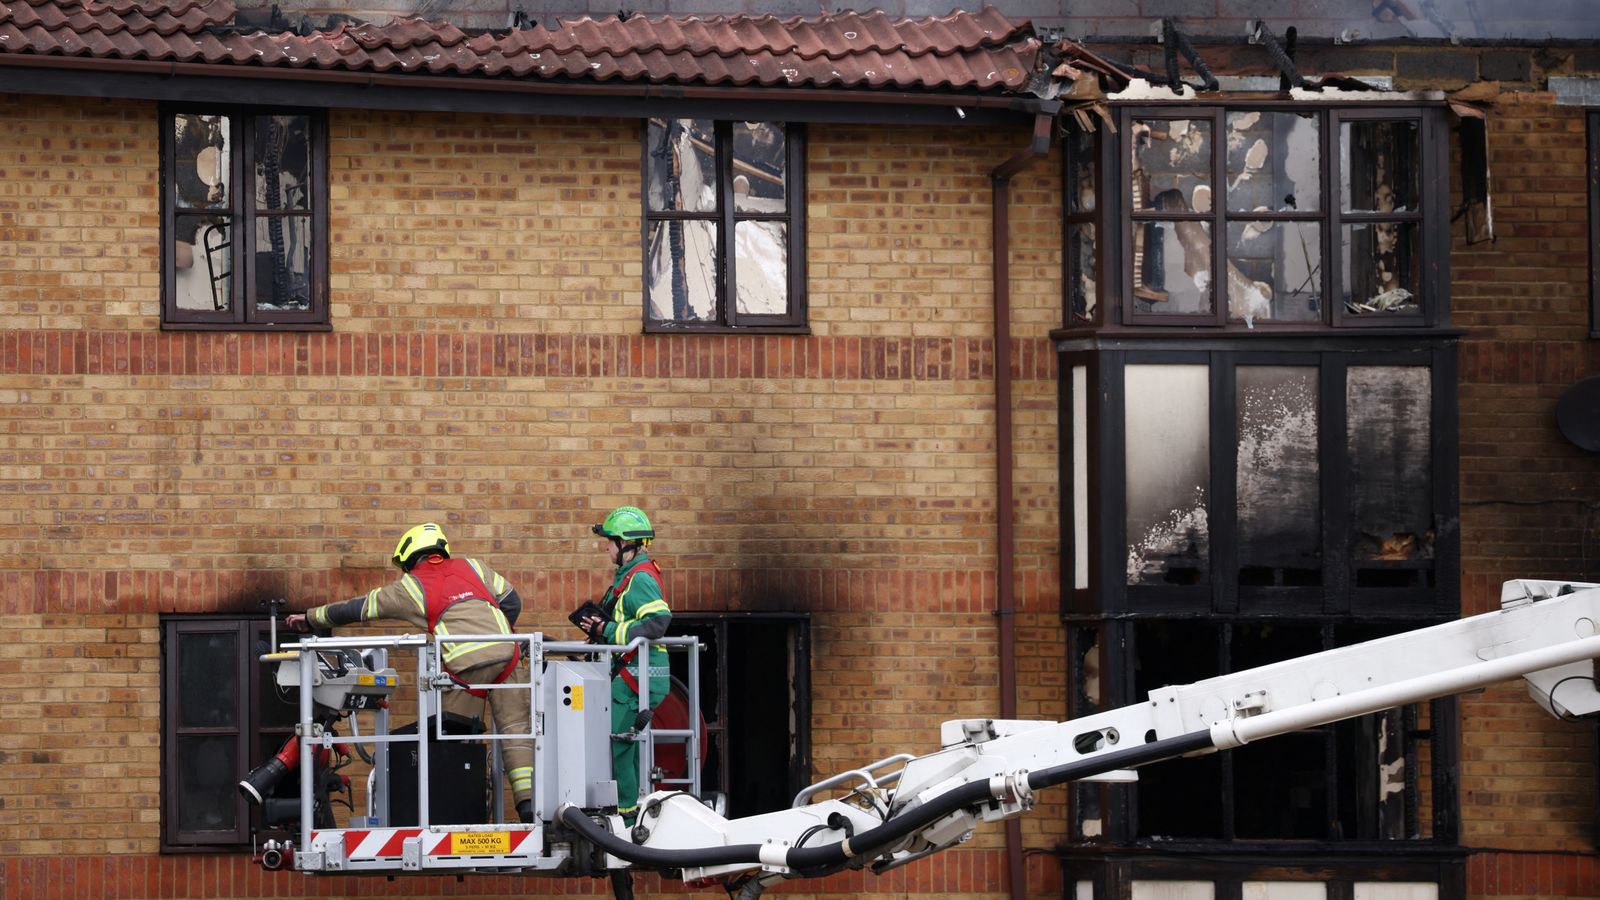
[
  {"x": 1528, "y": 496},
  {"x": 486, "y": 370}
]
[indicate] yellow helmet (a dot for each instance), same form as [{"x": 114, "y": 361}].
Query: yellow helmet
[{"x": 424, "y": 538}]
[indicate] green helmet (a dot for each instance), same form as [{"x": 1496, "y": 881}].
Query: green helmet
[{"x": 626, "y": 523}]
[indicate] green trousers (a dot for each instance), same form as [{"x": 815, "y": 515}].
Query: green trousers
[{"x": 625, "y": 754}]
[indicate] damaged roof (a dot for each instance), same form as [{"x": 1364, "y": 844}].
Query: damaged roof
[{"x": 965, "y": 51}]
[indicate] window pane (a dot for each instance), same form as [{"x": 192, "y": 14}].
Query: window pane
[
  {"x": 1274, "y": 271},
  {"x": 1381, "y": 267},
  {"x": 1079, "y": 148},
  {"x": 283, "y": 263},
  {"x": 1172, "y": 164},
  {"x": 1168, "y": 473},
  {"x": 1172, "y": 267},
  {"x": 1274, "y": 162},
  {"x": 761, "y": 267},
  {"x": 681, "y": 165},
  {"x": 283, "y": 162},
  {"x": 203, "y": 262},
  {"x": 1379, "y": 172},
  {"x": 1081, "y": 259},
  {"x": 1280, "y": 513},
  {"x": 683, "y": 271},
  {"x": 1391, "y": 470},
  {"x": 760, "y": 157},
  {"x": 208, "y": 680},
  {"x": 202, "y": 155},
  {"x": 208, "y": 778}
]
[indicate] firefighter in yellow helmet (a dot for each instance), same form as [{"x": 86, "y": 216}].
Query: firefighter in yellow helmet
[
  {"x": 635, "y": 606},
  {"x": 448, "y": 596}
]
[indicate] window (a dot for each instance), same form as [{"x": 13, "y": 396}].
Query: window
[
  {"x": 1272, "y": 482},
  {"x": 245, "y": 219},
  {"x": 724, "y": 226},
  {"x": 758, "y": 740},
  {"x": 221, "y": 714},
  {"x": 1594, "y": 223},
  {"x": 1254, "y": 218}
]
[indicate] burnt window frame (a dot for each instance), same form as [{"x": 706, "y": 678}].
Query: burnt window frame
[
  {"x": 1435, "y": 591},
  {"x": 1115, "y": 220},
  {"x": 725, "y": 217},
  {"x": 722, "y": 728},
  {"x": 242, "y": 312},
  {"x": 251, "y": 734}
]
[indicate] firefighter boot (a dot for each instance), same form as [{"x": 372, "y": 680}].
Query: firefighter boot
[{"x": 525, "y": 810}]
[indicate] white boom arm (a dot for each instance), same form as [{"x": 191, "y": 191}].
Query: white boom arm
[{"x": 1545, "y": 632}]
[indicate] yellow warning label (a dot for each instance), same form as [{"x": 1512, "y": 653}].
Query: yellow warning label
[
  {"x": 472, "y": 843},
  {"x": 363, "y": 679},
  {"x": 577, "y": 696}
]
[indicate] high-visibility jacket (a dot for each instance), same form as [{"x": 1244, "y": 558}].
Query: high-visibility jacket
[
  {"x": 435, "y": 596},
  {"x": 635, "y": 606}
]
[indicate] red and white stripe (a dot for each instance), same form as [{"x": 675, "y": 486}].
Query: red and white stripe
[{"x": 377, "y": 843}]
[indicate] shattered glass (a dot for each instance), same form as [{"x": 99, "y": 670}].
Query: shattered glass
[
  {"x": 1274, "y": 272},
  {"x": 1274, "y": 162}
]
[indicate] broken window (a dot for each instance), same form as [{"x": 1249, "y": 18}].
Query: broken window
[
  {"x": 724, "y": 203},
  {"x": 1380, "y": 208},
  {"x": 1260, "y": 217},
  {"x": 1359, "y": 780},
  {"x": 1080, "y": 156},
  {"x": 245, "y": 213},
  {"x": 756, "y": 699}
]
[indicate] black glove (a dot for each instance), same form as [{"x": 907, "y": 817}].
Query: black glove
[{"x": 597, "y": 631}]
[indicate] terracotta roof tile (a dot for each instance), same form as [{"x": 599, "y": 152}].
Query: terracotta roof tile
[{"x": 981, "y": 50}]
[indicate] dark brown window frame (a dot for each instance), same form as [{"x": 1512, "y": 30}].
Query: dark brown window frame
[
  {"x": 249, "y": 732},
  {"x": 1593, "y": 191},
  {"x": 1115, "y": 220},
  {"x": 242, "y": 313},
  {"x": 728, "y": 318}
]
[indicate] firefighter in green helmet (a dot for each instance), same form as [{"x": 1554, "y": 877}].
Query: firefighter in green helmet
[{"x": 634, "y": 606}]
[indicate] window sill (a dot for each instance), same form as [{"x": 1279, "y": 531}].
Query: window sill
[
  {"x": 664, "y": 328},
  {"x": 246, "y": 326}
]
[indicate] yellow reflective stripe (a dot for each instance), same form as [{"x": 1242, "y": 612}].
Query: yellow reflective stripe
[
  {"x": 521, "y": 778},
  {"x": 371, "y": 609},
  {"x": 621, "y": 636},
  {"x": 499, "y": 587},
  {"x": 476, "y": 567},
  {"x": 504, "y": 627},
  {"x": 414, "y": 588},
  {"x": 653, "y": 606}
]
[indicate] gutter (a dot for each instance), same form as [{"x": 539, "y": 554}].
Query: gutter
[
  {"x": 172, "y": 69},
  {"x": 1005, "y": 526}
]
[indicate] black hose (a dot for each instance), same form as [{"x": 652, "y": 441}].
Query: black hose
[{"x": 869, "y": 842}]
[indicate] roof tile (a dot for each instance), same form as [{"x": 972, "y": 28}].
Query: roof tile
[{"x": 982, "y": 50}]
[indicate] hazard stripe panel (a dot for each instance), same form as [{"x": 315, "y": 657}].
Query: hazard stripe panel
[{"x": 377, "y": 843}]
